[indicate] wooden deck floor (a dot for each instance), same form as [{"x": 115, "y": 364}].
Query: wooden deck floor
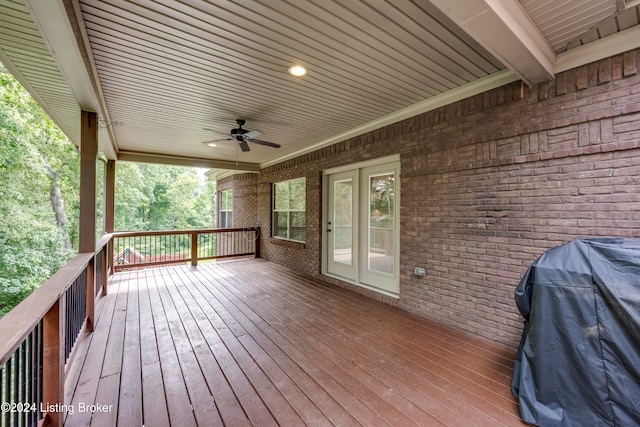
[{"x": 251, "y": 343}]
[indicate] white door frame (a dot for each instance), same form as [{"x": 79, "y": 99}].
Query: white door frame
[
  {"x": 369, "y": 274},
  {"x": 392, "y": 288}
]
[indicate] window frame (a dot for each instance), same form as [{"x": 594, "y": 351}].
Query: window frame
[
  {"x": 225, "y": 199},
  {"x": 289, "y": 211}
]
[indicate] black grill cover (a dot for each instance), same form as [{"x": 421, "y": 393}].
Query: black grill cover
[{"x": 579, "y": 358}]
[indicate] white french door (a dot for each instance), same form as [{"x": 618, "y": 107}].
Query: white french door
[
  {"x": 362, "y": 233},
  {"x": 342, "y": 249}
]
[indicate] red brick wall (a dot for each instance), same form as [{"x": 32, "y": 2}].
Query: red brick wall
[
  {"x": 488, "y": 184},
  {"x": 244, "y": 198}
]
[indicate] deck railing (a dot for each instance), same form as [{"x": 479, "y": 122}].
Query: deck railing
[
  {"x": 21, "y": 393},
  {"x": 37, "y": 341},
  {"x": 38, "y": 337},
  {"x": 151, "y": 248}
]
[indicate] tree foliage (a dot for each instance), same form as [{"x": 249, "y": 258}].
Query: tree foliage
[
  {"x": 36, "y": 162},
  {"x": 160, "y": 197},
  {"x": 40, "y": 196}
]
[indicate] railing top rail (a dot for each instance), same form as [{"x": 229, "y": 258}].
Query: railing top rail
[
  {"x": 167, "y": 232},
  {"x": 103, "y": 241},
  {"x": 20, "y": 321}
]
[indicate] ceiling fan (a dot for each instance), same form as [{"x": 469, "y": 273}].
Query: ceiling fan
[{"x": 243, "y": 137}]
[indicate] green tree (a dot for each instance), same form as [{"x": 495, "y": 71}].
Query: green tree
[
  {"x": 131, "y": 199},
  {"x": 38, "y": 182},
  {"x": 161, "y": 197},
  {"x": 39, "y": 196}
]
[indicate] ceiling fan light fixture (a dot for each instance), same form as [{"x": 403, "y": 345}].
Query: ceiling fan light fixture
[{"x": 297, "y": 70}]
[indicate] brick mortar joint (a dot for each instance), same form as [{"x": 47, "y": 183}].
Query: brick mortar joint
[{"x": 517, "y": 160}]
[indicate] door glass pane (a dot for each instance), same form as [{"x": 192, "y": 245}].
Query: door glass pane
[
  {"x": 343, "y": 221},
  {"x": 381, "y": 251}
]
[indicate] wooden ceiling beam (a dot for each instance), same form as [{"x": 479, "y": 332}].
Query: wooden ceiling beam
[{"x": 132, "y": 156}]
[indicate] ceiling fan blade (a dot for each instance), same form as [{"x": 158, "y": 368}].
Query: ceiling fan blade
[
  {"x": 216, "y": 131},
  {"x": 252, "y": 134},
  {"x": 267, "y": 143},
  {"x": 244, "y": 146},
  {"x": 217, "y": 140}
]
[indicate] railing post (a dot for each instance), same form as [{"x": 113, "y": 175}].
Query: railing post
[
  {"x": 53, "y": 364},
  {"x": 109, "y": 216},
  {"x": 110, "y": 254},
  {"x": 104, "y": 253},
  {"x": 88, "y": 159},
  {"x": 91, "y": 294},
  {"x": 87, "y": 228},
  {"x": 109, "y": 196},
  {"x": 194, "y": 248},
  {"x": 257, "y": 244}
]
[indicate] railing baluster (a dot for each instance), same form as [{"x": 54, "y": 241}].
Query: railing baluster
[
  {"x": 70, "y": 303},
  {"x": 34, "y": 345},
  {"x": 23, "y": 380},
  {"x": 7, "y": 372},
  {"x": 14, "y": 382},
  {"x": 40, "y": 365},
  {"x": 68, "y": 321},
  {"x": 30, "y": 383},
  {"x": 15, "y": 395}
]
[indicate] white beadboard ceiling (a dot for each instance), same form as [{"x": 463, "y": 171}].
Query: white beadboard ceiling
[
  {"x": 571, "y": 23},
  {"x": 159, "y": 72}
]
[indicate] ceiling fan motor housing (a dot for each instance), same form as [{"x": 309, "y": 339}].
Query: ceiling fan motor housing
[
  {"x": 244, "y": 136},
  {"x": 239, "y": 131}
]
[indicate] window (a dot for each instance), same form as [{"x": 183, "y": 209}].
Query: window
[
  {"x": 226, "y": 209},
  {"x": 289, "y": 210}
]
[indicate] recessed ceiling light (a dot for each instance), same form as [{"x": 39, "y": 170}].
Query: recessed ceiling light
[
  {"x": 211, "y": 144},
  {"x": 297, "y": 70}
]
